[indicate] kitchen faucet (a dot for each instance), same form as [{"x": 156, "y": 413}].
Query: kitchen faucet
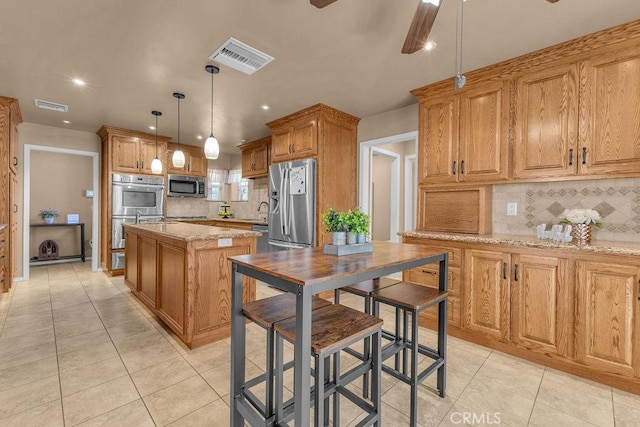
[
  {"x": 138, "y": 217},
  {"x": 263, "y": 203}
]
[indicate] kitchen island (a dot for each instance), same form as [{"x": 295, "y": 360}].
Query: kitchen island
[{"x": 180, "y": 271}]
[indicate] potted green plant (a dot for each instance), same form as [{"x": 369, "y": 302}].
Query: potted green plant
[
  {"x": 335, "y": 223},
  {"x": 48, "y": 215},
  {"x": 358, "y": 226}
]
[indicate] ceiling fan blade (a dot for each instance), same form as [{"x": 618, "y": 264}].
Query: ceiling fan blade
[
  {"x": 322, "y": 3},
  {"x": 420, "y": 27}
]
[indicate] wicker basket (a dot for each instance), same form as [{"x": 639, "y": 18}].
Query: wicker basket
[{"x": 581, "y": 234}]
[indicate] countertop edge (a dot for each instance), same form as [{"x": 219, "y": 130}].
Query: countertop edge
[{"x": 192, "y": 232}]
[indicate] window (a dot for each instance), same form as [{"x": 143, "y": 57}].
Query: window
[
  {"x": 216, "y": 178},
  {"x": 243, "y": 190},
  {"x": 239, "y": 185}
]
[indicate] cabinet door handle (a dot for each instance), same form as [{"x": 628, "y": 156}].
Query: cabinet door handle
[
  {"x": 453, "y": 168},
  {"x": 15, "y": 208},
  {"x": 515, "y": 272},
  {"x": 638, "y": 290},
  {"x": 142, "y": 164},
  {"x": 570, "y": 156},
  {"x": 432, "y": 273},
  {"x": 584, "y": 155},
  {"x": 504, "y": 270},
  {"x": 15, "y": 161},
  {"x": 136, "y": 164},
  {"x": 461, "y": 167}
]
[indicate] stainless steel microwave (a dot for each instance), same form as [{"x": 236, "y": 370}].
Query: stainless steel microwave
[{"x": 186, "y": 186}]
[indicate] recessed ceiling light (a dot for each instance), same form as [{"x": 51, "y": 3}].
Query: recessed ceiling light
[
  {"x": 264, "y": 107},
  {"x": 79, "y": 82},
  {"x": 152, "y": 127},
  {"x": 243, "y": 140},
  {"x": 66, "y": 122},
  {"x": 430, "y": 45},
  {"x": 199, "y": 136}
]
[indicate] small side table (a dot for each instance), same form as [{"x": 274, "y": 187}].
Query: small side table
[{"x": 82, "y": 245}]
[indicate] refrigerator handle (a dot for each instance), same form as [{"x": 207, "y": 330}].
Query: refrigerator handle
[{"x": 284, "y": 195}]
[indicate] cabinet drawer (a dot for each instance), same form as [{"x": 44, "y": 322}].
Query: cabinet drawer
[
  {"x": 454, "y": 314},
  {"x": 455, "y": 254},
  {"x": 428, "y": 276}
]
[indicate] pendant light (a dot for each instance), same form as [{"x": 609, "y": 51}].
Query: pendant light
[
  {"x": 178, "y": 159},
  {"x": 156, "y": 164},
  {"x": 211, "y": 146}
]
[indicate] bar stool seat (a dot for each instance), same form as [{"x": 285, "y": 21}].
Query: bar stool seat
[
  {"x": 334, "y": 328},
  {"x": 413, "y": 298},
  {"x": 266, "y": 312}
]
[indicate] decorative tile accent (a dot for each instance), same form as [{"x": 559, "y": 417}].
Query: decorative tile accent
[{"x": 618, "y": 201}]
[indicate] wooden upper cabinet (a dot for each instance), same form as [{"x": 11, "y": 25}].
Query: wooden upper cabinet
[
  {"x": 438, "y": 135},
  {"x": 607, "y": 316},
  {"x": 195, "y": 163},
  {"x": 486, "y": 295},
  {"x": 546, "y": 123},
  {"x": 610, "y": 112},
  {"x": 463, "y": 137},
  {"x": 483, "y": 153},
  {"x": 13, "y": 145},
  {"x": 542, "y": 301},
  {"x": 255, "y": 158},
  {"x": 126, "y": 154},
  {"x": 296, "y": 140}
]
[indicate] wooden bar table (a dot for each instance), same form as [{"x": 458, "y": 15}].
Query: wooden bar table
[{"x": 306, "y": 272}]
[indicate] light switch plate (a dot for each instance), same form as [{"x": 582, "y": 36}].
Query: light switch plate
[
  {"x": 512, "y": 209},
  {"x": 88, "y": 193},
  {"x": 224, "y": 242}
]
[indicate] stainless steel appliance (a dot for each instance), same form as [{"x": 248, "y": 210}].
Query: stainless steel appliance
[
  {"x": 292, "y": 190},
  {"x": 137, "y": 195},
  {"x": 117, "y": 227},
  {"x": 186, "y": 186},
  {"x": 262, "y": 242}
]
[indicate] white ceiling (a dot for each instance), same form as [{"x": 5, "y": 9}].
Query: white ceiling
[{"x": 135, "y": 53}]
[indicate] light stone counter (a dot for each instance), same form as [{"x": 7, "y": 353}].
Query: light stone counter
[
  {"x": 190, "y": 232},
  {"x": 598, "y": 247}
]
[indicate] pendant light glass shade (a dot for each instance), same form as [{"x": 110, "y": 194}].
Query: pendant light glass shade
[
  {"x": 156, "y": 164},
  {"x": 211, "y": 146},
  {"x": 178, "y": 159}
]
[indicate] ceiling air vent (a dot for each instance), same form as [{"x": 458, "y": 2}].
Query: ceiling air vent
[
  {"x": 51, "y": 106},
  {"x": 242, "y": 57}
]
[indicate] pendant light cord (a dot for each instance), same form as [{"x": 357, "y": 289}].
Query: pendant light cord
[
  {"x": 178, "y": 123},
  {"x": 156, "y": 136},
  {"x": 459, "y": 38},
  {"x": 211, "y": 104}
]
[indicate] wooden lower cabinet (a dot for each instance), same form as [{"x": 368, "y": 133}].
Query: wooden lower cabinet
[
  {"x": 542, "y": 304},
  {"x": 148, "y": 268},
  {"x": 607, "y": 317},
  {"x": 172, "y": 286},
  {"x": 487, "y": 308},
  {"x": 568, "y": 309}
]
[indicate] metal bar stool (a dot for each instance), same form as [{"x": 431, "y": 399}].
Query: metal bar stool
[
  {"x": 365, "y": 289},
  {"x": 413, "y": 298},
  {"x": 334, "y": 328},
  {"x": 265, "y": 313}
]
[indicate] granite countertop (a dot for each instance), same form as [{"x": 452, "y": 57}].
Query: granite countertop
[
  {"x": 259, "y": 221},
  {"x": 596, "y": 246},
  {"x": 189, "y": 232}
]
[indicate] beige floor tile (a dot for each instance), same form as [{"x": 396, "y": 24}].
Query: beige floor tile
[
  {"x": 461, "y": 416},
  {"x": 148, "y": 356},
  {"x": 577, "y": 383},
  {"x": 625, "y": 398},
  {"x": 15, "y": 310},
  {"x": 22, "y": 398},
  {"x": 140, "y": 341},
  {"x": 577, "y": 398},
  {"x": 86, "y": 356},
  {"x": 124, "y": 330},
  {"x": 26, "y": 340},
  {"x": 79, "y": 328},
  {"x": 98, "y": 400},
  {"x": 28, "y": 327},
  {"x": 456, "y": 381},
  {"x": 173, "y": 403},
  {"x": 219, "y": 378},
  {"x": 76, "y": 342},
  {"x": 482, "y": 397},
  {"x": 543, "y": 416},
  {"x": 28, "y": 372},
  {"x": 133, "y": 414},
  {"x": 463, "y": 361},
  {"x": 431, "y": 407},
  {"x": 75, "y": 379},
  {"x": 499, "y": 374},
  {"x": 626, "y": 416},
  {"x": 214, "y": 414},
  {"x": 209, "y": 356},
  {"x": 126, "y": 317},
  {"x": 49, "y": 415},
  {"x": 162, "y": 375},
  {"x": 20, "y": 356}
]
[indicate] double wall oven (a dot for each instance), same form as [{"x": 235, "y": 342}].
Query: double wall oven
[{"x": 134, "y": 199}]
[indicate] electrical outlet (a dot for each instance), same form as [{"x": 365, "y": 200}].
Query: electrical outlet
[{"x": 512, "y": 209}]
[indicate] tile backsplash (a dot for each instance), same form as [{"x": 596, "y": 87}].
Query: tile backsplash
[
  {"x": 258, "y": 191},
  {"x": 617, "y": 201}
]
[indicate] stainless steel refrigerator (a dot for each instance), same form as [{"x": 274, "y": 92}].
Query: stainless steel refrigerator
[{"x": 292, "y": 206}]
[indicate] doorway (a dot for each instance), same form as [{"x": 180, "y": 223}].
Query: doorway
[
  {"x": 395, "y": 157},
  {"x": 33, "y": 155}
]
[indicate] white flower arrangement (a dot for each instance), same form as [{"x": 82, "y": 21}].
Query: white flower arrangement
[{"x": 581, "y": 216}]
